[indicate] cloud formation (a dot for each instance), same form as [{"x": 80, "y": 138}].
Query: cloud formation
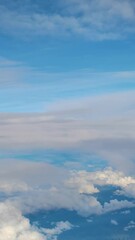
[
  {"x": 88, "y": 182},
  {"x": 101, "y": 125},
  {"x": 14, "y": 226},
  {"x": 130, "y": 226},
  {"x": 63, "y": 190},
  {"x": 39, "y": 186},
  {"x": 96, "y": 20}
]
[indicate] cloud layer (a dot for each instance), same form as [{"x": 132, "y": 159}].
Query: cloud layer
[
  {"x": 26, "y": 187},
  {"x": 96, "y": 20},
  {"x": 101, "y": 125},
  {"x": 63, "y": 189}
]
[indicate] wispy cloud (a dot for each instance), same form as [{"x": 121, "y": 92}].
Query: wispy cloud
[
  {"x": 96, "y": 20},
  {"x": 18, "y": 72}
]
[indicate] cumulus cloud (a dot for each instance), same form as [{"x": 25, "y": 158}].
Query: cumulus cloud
[
  {"x": 128, "y": 190},
  {"x": 86, "y": 181},
  {"x": 115, "y": 205},
  {"x": 48, "y": 187},
  {"x": 14, "y": 226},
  {"x": 61, "y": 198},
  {"x": 37, "y": 186}
]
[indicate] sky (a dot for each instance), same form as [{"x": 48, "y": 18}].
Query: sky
[{"x": 67, "y": 119}]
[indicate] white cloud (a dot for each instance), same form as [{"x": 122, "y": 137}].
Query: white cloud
[
  {"x": 58, "y": 229},
  {"x": 56, "y": 188},
  {"x": 62, "y": 198},
  {"x": 130, "y": 226},
  {"x": 14, "y": 226},
  {"x": 47, "y": 185},
  {"x": 89, "y": 182},
  {"x": 114, "y": 222},
  {"x": 126, "y": 212},
  {"x": 128, "y": 190},
  {"x": 115, "y": 205},
  {"x": 89, "y": 220},
  {"x": 47, "y": 188},
  {"x": 81, "y": 183},
  {"x": 86, "y": 181}
]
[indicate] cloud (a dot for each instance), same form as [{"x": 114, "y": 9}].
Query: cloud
[
  {"x": 89, "y": 182},
  {"x": 99, "y": 125},
  {"x": 114, "y": 222},
  {"x": 48, "y": 187},
  {"x": 131, "y": 225},
  {"x": 99, "y": 178},
  {"x": 14, "y": 226},
  {"x": 17, "y": 73},
  {"x": 58, "y": 229},
  {"x": 13, "y": 186},
  {"x": 96, "y": 20},
  {"x": 126, "y": 212},
  {"x": 128, "y": 190},
  {"x": 57, "y": 198},
  {"x": 115, "y": 205}
]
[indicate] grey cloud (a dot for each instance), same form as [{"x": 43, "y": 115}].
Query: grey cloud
[
  {"x": 47, "y": 189},
  {"x": 100, "y": 125},
  {"x": 45, "y": 184},
  {"x": 55, "y": 188},
  {"x": 115, "y": 205}
]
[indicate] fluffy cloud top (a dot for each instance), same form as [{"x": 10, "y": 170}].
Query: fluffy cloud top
[
  {"x": 86, "y": 181},
  {"x": 37, "y": 186},
  {"x": 42, "y": 186},
  {"x": 14, "y": 226}
]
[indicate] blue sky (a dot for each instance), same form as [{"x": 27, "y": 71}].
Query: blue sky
[
  {"x": 44, "y": 43},
  {"x": 67, "y": 119}
]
